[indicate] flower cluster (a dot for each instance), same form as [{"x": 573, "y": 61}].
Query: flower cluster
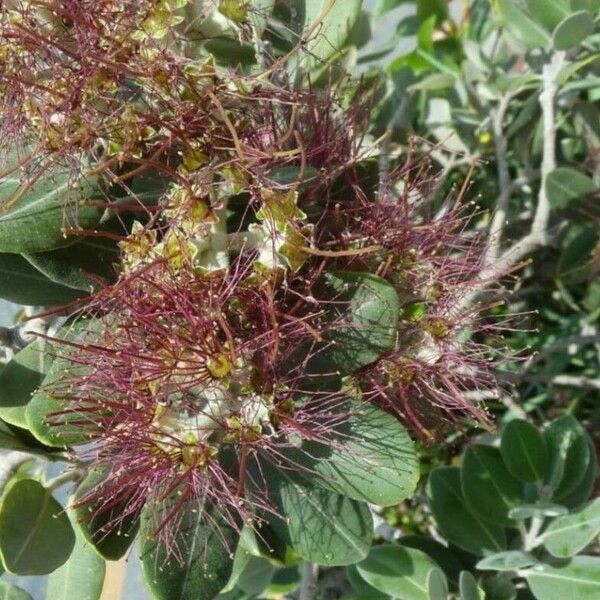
[{"x": 242, "y": 317}]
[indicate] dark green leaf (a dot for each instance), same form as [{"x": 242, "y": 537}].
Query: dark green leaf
[
  {"x": 206, "y": 544},
  {"x": 524, "y": 451},
  {"x": 499, "y": 587},
  {"x": 36, "y": 536},
  {"x": 578, "y": 247},
  {"x": 582, "y": 491},
  {"x": 456, "y": 522},
  {"x": 81, "y": 577},
  {"x": 563, "y": 185},
  {"x": 19, "y": 380},
  {"x": 361, "y": 587},
  {"x": 489, "y": 489},
  {"x": 572, "y": 30},
  {"x": 22, "y": 283},
  {"x": 570, "y": 534},
  {"x": 361, "y": 315},
  {"x": 321, "y": 526},
  {"x": 578, "y": 580},
  {"x": 97, "y": 522},
  {"x": 373, "y": 460},
  {"x": 569, "y": 455},
  {"x": 398, "y": 571},
  {"x": 33, "y": 218}
]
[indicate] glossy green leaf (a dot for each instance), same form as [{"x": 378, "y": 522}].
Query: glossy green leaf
[
  {"x": 97, "y": 522},
  {"x": 362, "y": 313},
  {"x": 488, "y": 487},
  {"x": 81, "y": 577},
  {"x": 549, "y": 12},
  {"x": 22, "y": 283},
  {"x": 19, "y": 380},
  {"x": 398, "y": 571},
  {"x": 576, "y": 497},
  {"x": 511, "y": 560},
  {"x": 569, "y": 455},
  {"x": 321, "y": 526},
  {"x": 11, "y": 592},
  {"x": 524, "y": 451},
  {"x": 207, "y": 545},
  {"x": 572, "y": 30},
  {"x": 36, "y": 536},
  {"x": 373, "y": 458},
  {"x": 579, "y": 580},
  {"x": 570, "y": 534},
  {"x": 522, "y": 27},
  {"x": 455, "y": 521},
  {"x": 467, "y": 585},
  {"x": 563, "y": 185},
  {"x": 33, "y": 217}
]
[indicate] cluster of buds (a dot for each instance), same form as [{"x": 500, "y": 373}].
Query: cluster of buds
[{"x": 211, "y": 353}]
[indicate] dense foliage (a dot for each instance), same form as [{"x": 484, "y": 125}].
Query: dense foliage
[{"x": 302, "y": 301}]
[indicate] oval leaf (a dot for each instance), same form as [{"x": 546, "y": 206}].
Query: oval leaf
[
  {"x": 205, "y": 562},
  {"x": 467, "y": 585},
  {"x": 572, "y": 30},
  {"x": 36, "y": 536},
  {"x": 568, "y": 535},
  {"x": 321, "y": 526},
  {"x": 81, "y": 577},
  {"x": 373, "y": 459},
  {"x": 456, "y": 522},
  {"x": 524, "y": 451},
  {"x": 563, "y": 185},
  {"x": 488, "y": 487},
  {"x": 398, "y": 571},
  {"x": 19, "y": 380},
  {"x": 34, "y": 214},
  {"x": 507, "y": 561}
]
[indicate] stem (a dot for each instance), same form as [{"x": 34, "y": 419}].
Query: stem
[{"x": 309, "y": 584}]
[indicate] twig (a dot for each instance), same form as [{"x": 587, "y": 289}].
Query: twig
[{"x": 309, "y": 585}]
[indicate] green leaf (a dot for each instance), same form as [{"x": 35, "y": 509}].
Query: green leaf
[
  {"x": 81, "y": 577},
  {"x": 572, "y": 30},
  {"x": 579, "y": 580},
  {"x": 36, "y": 219},
  {"x": 36, "y": 536},
  {"x": 22, "y": 283},
  {"x": 540, "y": 509},
  {"x": 549, "y": 12},
  {"x": 570, "y": 534},
  {"x": 581, "y": 493},
  {"x": 467, "y": 585},
  {"x": 488, "y": 487},
  {"x": 95, "y": 521},
  {"x": 327, "y": 24},
  {"x": 82, "y": 266},
  {"x": 524, "y": 451},
  {"x": 398, "y": 571},
  {"x": 563, "y": 185},
  {"x": 372, "y": 460},
  {"x": 362, "y": 313},
  {"x": 321, "y": 526},
  {"x": 438, "y": 9},
  {"x": 569, "y": 455},
  {"x": 361, "y": 587},
  {"x": 384, "y": 6},
  {"x": 11, "y": 592},
  {"x": 499, "y": 587},
  {"x": 437, "y": 585},
  {"x": 44, "y": 411},
  {"x": 455, "y": 521},
  {"x": 206, "y": 544},
  {"x": 521, "y": 27},
  {"x": 19, "y": 380},
  {"x": 256, "y": 576},
  {"x": 449, "y": 559},
  {"x": 511, "y": 560}
]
